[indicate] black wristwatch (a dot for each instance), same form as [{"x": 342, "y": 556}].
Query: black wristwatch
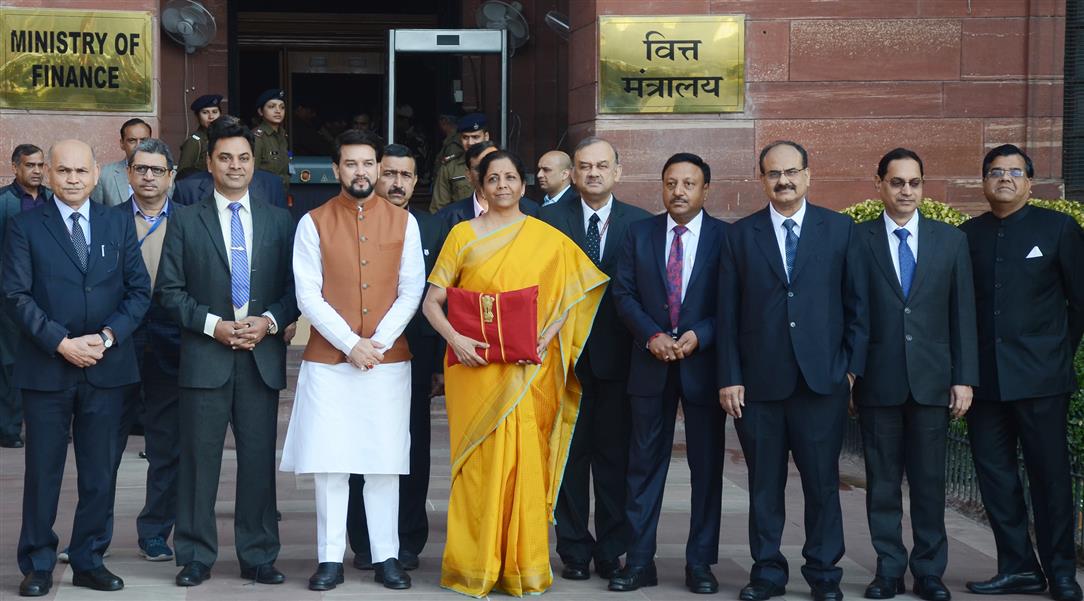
[{"x": 106, "y": 340}]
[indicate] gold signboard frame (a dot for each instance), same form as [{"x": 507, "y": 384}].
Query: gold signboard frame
[
  {"x": 76, "y": 60},
  {"x": 671, "y": 64}
]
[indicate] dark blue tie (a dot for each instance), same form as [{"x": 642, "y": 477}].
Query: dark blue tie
[
  {"x": 790, "y": 245},
  {"x": 79, "y": 241},
  {"x": 594, "y": 240},
  {"x": 239, "y": 271},
  {"x": 907, "y": 262}
]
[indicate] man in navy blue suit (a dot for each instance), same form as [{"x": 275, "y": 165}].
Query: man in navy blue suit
[
  {"x": 75, "y": 284},
  {"x": 665, "y": 290},
  {"x": 791, "y": 343}
]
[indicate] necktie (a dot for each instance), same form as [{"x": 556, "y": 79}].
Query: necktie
[
  {"x": 907, "y": 262},
  {"x": 594, "y": 240},
  {"x": 674, "y": 265},
  {"x": 239, "y": 271},
  {"x": 79, "y": 241},
  {"x": 790, "y": 245}
]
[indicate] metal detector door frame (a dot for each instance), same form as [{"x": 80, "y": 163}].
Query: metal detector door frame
[{"x": 448, "y": 41}]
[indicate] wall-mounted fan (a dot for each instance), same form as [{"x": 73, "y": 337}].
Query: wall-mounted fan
[
  {"x": 188, "y": 23},
  {"x": 497, "y": 14}
]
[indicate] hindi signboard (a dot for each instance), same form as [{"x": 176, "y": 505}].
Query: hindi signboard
[
  {"x": 672, "y": 64},
  {"x": 76, "y": 60}
]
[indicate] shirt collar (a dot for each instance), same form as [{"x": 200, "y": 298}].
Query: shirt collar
[
  {"x": 23, "y": 192},
  {"x": 163, "y": 213},
  {"x": 223, "y": 203},
  {"x": 778, "y": 219},
  {"x": 603, "y": 213},
  {"x": 66, "y": 211},
  {"x": 1016, "y": 215},
  {"x": 693, "y": 226},
  {"x": 478, "y": 208},
  {"x": 910, "y": 226},
  {"x": 558, "y": 195}
]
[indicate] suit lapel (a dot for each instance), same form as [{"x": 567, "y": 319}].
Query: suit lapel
[
  {"x": 811, "y": 227},
  {"x": 260, "y": 223},
  {"x": 98, "y": 236},
  {"x": 704, "y": 246},
  {"x": 55, "y": 225},
  {"x": 768, "y": 244},
  {"x": 878, "y": 242},
  {"x": 208, "y": 214},
  {"x": 929, "y": 251},
  {"x": 574, "y": 218},
  {"x": 616, "y": 224},
  {"x": 658, "y": 246}
]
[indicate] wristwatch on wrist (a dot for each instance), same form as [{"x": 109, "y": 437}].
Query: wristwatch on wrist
[{"x": 106, "y": 340}]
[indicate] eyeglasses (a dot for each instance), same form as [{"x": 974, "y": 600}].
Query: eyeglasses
[
  {"x": 998, "y": 172},
  {"x": 898, "y": 183},
  {"x": 790, "y": 173},
  {"x": 157, "y": 171}
]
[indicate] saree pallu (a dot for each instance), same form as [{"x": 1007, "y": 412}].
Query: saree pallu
[{"x": 511, "y": 425}]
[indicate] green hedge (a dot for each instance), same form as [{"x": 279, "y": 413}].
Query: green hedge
[{"x": 932, "y": 209}]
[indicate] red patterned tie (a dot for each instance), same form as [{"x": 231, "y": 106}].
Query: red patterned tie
[{"x": 673, "y": 276}]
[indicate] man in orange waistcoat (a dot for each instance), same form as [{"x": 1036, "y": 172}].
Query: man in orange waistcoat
[{"x": 359, "y": 274}]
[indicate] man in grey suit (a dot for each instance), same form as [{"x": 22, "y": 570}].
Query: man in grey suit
[
  {"x": 113, "y": 187},
  {"x": 225, "y": 277},
  {"x": 922, "y": 359}
]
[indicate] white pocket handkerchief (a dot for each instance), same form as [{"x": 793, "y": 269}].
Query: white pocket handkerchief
[{"x": 1035, "y": 253}]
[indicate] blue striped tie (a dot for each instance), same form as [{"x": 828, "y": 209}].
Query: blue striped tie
[
  {"x": 790, "y": 245},
  {"x": 239, "y": 272},
  {"x": 79, "y": 241},
  {"x": 907, "y": 262}
]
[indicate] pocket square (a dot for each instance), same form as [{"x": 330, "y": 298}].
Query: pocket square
[{"x": 1035, "y": 253}]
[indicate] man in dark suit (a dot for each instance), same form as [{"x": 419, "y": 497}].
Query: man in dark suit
[
  {"x": 226, "y": 279},
  {"x": 1029, "y": 285},
  {"x": 599, "y": 450},
  {"x": 474, "y": 205},
  {"x": 74, "y": 283},
  {"x": 665, "y": 290},
  {"x": 198, "y": 186},
  {"x": 396, "y": 183},
  {"x": 554, "y": 177},
  {"x": 790, "y": 345},
  {"x": 915, "y": 275}
]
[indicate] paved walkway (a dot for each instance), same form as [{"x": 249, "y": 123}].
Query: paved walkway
[{"x": 971, "y": 546}]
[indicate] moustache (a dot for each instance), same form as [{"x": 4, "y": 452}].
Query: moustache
[
  {"x": 397, "y": 191},
  {"x": 781, "y": 187}
]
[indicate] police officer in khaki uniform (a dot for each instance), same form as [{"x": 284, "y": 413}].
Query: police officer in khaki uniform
[
  {"x": 450, "y": 147},
  {"x": 194, "y": 149},
  {"x": 272, "y": 148},
  {"x": 452, "y": 183}
]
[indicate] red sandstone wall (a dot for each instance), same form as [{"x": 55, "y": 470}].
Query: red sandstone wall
[{"x": 850, "y": 79}]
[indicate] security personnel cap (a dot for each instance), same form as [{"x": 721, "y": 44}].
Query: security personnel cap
[
  {"x": 205, "y": 101},
  {"x": 269, "y": 95},
  {"x": 471, "y": 122}
]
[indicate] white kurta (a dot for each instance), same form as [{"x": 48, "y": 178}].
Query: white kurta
[{"x": 345, "y": 419}]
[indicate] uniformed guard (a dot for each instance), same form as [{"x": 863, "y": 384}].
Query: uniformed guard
[
  {"x": 194, "y": 149},
  {"x": 450, "y": 147},
  {"x": 452, "y": 183},
  {"x": 272, "y": 147}
]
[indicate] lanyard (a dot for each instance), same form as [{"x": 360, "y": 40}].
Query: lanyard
[{"x": 154, "y": 226}]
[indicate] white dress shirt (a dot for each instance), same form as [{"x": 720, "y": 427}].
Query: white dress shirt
[
  {"x": 478, "y": 208},
  {"x": 548, "y": 200},
  {"x": 781, "y": 232},
  {"x": 894, "y": 241},
  {"x": 603, "y": 221},
  {"x": 689, "y": 241},
  {"x": 66, "y": 214}
]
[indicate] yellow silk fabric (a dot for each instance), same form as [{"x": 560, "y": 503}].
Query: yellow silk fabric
[{"x": 511, "y": 425}]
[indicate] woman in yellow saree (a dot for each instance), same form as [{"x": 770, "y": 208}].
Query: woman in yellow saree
[{"x": 510, "y": 424}]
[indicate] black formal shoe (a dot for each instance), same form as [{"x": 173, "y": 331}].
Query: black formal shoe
[
  {"x": 391, "y": 574},
  {"x": 99, "y": 579},
  {"x": 700, "y": 580},
  {"x": 606, "y": 568},
  {"x": 1009, "y": 584},
  {"x": 13, "y": 442},
  {"x": 193, "y": 574},
  {"x": 408, "y": 560},
  {"x": 328, "y": 574},
  {"x": 884, "y": 587},
  {"x": 761, "y": 590},
  {"x": 826, "y": 591},
  {"x": 575, "y": 570},
  {"x": 631, "y": 578},
  {"x": 931, "y": 588},
  {"x": 1065, "y": 588},
  {"x": 265, "y": 574},
  {"x": 36, "y": 584},
  {"x": 363, "y": 563}
]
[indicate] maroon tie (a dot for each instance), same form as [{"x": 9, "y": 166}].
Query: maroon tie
[{"x": 673, "y": 276}]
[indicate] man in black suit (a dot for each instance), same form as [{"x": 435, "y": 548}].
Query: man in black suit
[
  {"x": 1029, "y": 285},
  {"x": 74, "y": 283},
  {"x": 396, "y": 183},
  {"x": 790, "y": 345},
  {"x": 915, "y": 275},
  {"x": 554, "y": 177},
  {"x": 474, "y": 205},
  {"x": 665, "y": 290},
  {"x": 226, "y": 279},
  {"x": 599, "y": 451}
]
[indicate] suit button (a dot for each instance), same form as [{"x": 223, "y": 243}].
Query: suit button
[
  {"x": 907, "y": 310},
  {"x": 908, "y": 338},
  {"x": 364, "y": 262},
  {"x": 1001, "y": 234},
  {"x": 793, "y": 325},
  {"x": 790, "y": 294},
  {"x": 665, "y": 306},
  {"x": 999, "y": 259},
  {"x": 998, "y": 340},
  {"x": 997, "y": 312},
  {"x": 363, "y": 238},
  {"x": 364, "y": 286},
  {"x": 87, "y": 289},
  {"x": 997, "y": 285},
  {"x": 364, "y": 311}
]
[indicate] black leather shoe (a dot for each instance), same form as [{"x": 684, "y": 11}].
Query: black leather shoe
[
  {"x": 265, "y": 574},
  {"x": 631, "y": 578},
  {"x": 884, "y": 587},
  {"x": 931, "y": 588},
  {"x": 575, "y": 570},
  {"x": 700, "y": 580},
  {"x": 391, "y": 574},
  {"x": 328, "y": 574},
  {"x": 1009, "y": 584},
  {"x": 363, "y": 563},
  {"x": 826, "y": 591},
  {"x": 13, "y": 442},
  {"x": 761, "y": 590},
  {"x": 99, "y": 579},
  {"x": 36, "y": 584},
  {"x": 1065, "y": 588},
  {"x": 408, "y": 560},
  {"x": 193, "y": 574},
  {"x": 606, "y": 568}
]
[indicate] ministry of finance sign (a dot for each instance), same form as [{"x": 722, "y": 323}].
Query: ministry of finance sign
[
  {"x": 76, "y": 60},
  {"x": 672, "y": 64}
]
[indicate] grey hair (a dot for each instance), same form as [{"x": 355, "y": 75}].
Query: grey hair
[
  {"x": 589, "y": 140},
  {"x": 153, "y": 146}
]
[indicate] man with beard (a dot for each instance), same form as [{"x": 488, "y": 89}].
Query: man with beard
[{"x": 359, "y": 274}]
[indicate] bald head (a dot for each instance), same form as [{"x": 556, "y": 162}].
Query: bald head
[
  {"x": 73, "y": 171},
  {"x": 554, "y": 172}
]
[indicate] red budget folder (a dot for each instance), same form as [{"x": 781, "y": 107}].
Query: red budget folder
[{"x": 507, "y": 321}]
